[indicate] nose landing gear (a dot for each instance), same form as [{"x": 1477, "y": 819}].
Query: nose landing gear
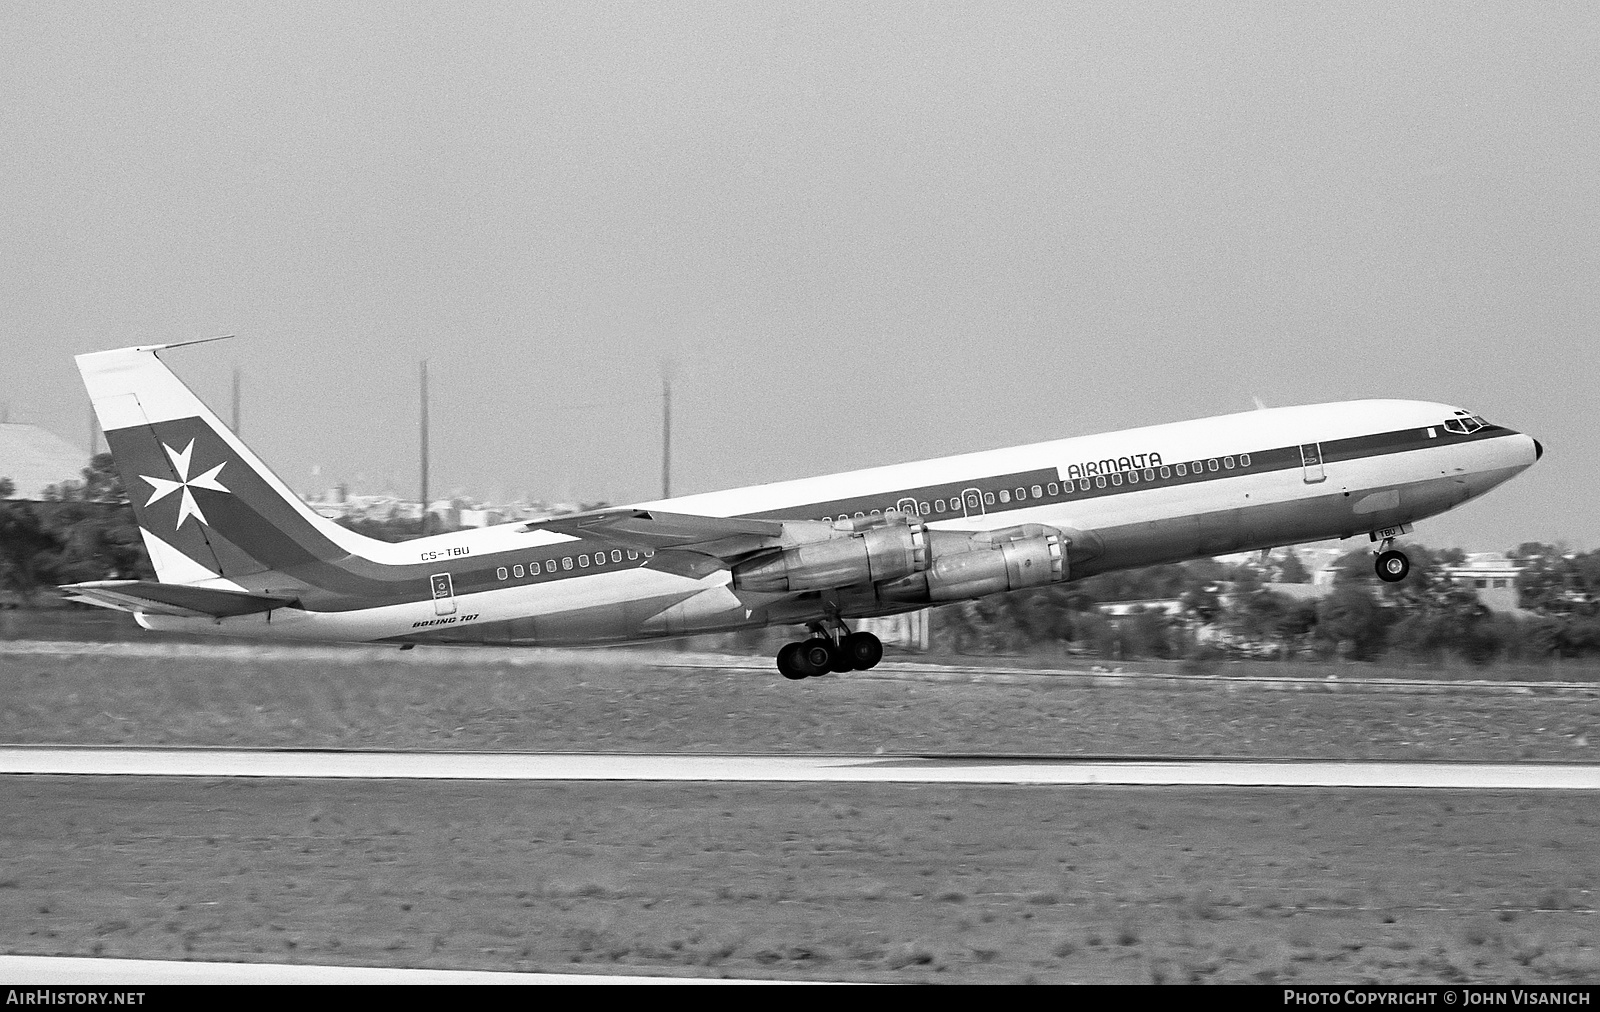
[
  {"x": 833, "y": 648},
  {"x": 1391, "y": 564}
]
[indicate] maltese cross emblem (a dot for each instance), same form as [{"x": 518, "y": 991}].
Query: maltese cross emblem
[{"x": 164, "y": 487}]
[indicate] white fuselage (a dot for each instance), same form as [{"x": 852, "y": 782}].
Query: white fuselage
[{"x": 1369, "y": 466}]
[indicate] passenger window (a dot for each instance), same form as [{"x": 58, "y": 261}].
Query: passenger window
[
  {"x": 1084, "y": 484},
  {"x": 1133, "y": 477},
  {"x": 1149, "y": 474},
  {"x": 1227, "y": 462},
  {"x": 599, "y": 558},
  {"x": 1021, "y": 493},
  {"x": 616, "y": 555},
  {"x": 566, "y": 563},
  {"x": 1166, "y": 472},
  {"x": 516, "y": 571},
  {"x": 501, "y": 572},
  {"x": 938, "y": 505},
  {"x": 1054, "y": 489},
  {"x": 1038, "y": 492},
  {"x": 922, "y": 508},
  {"x": 583, "y": 561},
  {"x": 1005, "y": 496},
  {"x": 1182, "y": 470},
  {"x": 633, "y": 555},
  {"x": 859, "y": 514},
  {"x": 1212, "y": 463},
  {"x": 988, "y": 498},
  {"x": 877, "y": 513},
  {"x": 1116, "y": 477},
  {"x": 1100, "y": 481},
  {"x": 1244, "y": 460}
]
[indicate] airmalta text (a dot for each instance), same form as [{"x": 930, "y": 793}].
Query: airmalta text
[{"x": 1111, "y": 465}]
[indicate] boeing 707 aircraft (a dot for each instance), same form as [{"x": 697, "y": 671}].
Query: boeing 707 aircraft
[{"x": 236, "y": 553}]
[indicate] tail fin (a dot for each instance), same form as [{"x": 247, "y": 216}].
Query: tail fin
[{"x": 206, "y": 505}]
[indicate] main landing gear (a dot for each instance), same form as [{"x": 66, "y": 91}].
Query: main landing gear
[
  {"x": 1392, "y": 565},
  {"x": 831, "y": 648}
]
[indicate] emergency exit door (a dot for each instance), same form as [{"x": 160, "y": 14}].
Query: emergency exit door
[{"x": 972, "y": 502}]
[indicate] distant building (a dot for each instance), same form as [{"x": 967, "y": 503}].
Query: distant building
[
  {"x": 1170, "y": 606},
  {"x": 1314, "y": 591},
  {"x": 34, "y": 459},
  {"x": 1492, "y": 575},
  {"x": 908, "y": 629}
]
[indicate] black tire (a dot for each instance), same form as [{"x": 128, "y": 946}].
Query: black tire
[
  {"x": 816, "y": 656},
  {"x": 841, "y": 662},
  {"x": 864, "y": 650},
  {"x": 1392, "y": 566},
  {"x": 789, "y": 662}
]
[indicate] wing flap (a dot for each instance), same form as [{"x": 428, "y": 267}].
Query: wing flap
[
  {"x": 172, "y": 599},
  {"x": 723, "y": 537}
]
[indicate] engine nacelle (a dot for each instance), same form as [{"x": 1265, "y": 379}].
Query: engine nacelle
[
  {"x": 887, "y": 552},
  {"x": 973, "y": 565}
]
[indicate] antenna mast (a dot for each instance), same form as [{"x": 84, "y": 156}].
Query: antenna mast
[
  {"x": 666, "y": 431},
  {"x": 424, "y": 446}
]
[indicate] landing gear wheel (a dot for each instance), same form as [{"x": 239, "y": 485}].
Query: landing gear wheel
[
  {"x": 816, "y": 656},
  {"x": 864, "y": 650},
  {"x": 789, "y": 662},
  {"x": 1392, "y": 566},
  {"x": 841, "y": 662}
]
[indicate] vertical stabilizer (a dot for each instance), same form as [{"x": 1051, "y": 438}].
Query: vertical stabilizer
[{"x": 207, "y": 506}]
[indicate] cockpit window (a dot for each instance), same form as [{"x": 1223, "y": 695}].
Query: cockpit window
[{"x": 1464, "y": 424}]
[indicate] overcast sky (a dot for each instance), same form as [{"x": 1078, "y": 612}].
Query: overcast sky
[{"x": 861, "y": 233}]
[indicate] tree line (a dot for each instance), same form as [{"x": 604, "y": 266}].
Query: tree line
[
  {"x": 1211, "y": 608},
  {"x": 84, "y": 530}
]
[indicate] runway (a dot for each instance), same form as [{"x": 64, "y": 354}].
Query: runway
[
  {"x": 1061, "y": 771},
  {"x": 81, "y": 971}
]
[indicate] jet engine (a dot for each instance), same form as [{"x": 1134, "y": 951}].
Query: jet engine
[
  {"x": 847, "y": 557},
  {"x": 973, "y": 565}
]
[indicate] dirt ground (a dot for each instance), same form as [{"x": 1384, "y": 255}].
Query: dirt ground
[
  {"x": 853, "y": 882},
  {"x": 609, "y": 706}
]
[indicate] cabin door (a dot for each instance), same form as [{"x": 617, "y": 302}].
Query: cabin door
[
  {"x": 1311, "y": 461},
  {"x": 444, "y": 594}
]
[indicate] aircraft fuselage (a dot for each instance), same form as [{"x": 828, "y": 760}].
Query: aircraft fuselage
[{"x": 1137, "y": 497}]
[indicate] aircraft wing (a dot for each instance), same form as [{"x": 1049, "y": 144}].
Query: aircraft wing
[
  {"x": 172, "y": 598},
  {"x": 653, "y": 530}
]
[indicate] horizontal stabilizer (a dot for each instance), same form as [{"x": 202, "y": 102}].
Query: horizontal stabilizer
[
  {"x": 172, "y": 598},
  {"x": 654, "y": 530}
]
